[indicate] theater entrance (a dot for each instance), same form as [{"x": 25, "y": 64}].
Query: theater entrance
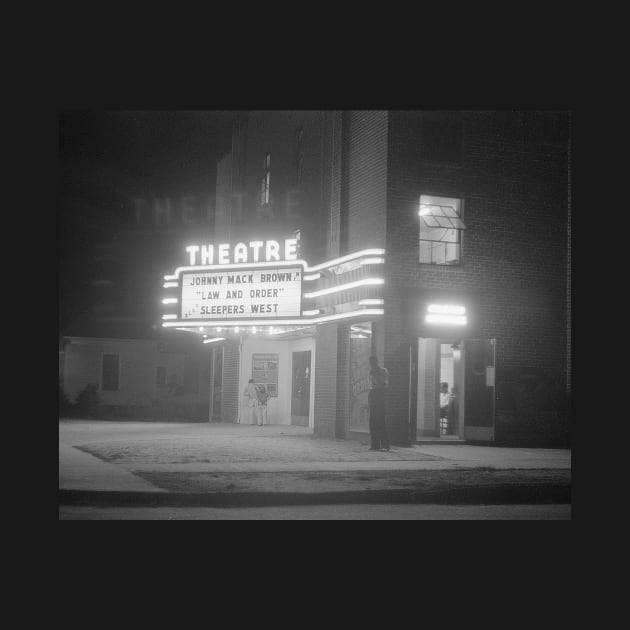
[{"x": 282, "y": 363}]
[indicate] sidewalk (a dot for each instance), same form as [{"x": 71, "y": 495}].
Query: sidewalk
[{"x": 142, "y": 463}]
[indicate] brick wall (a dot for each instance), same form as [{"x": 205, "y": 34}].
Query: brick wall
[
  {"x": 326, "y": 384},
  {"x": 514, "y": 251},
  {"x": 364, "y": 197}
]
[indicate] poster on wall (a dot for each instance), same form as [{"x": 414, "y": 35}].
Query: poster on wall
[
  {"x": 265, "y": 372},
  {"x": 360, "y": 351}
]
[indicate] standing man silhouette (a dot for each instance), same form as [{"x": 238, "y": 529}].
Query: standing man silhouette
[{"x": 379, "y": 381}]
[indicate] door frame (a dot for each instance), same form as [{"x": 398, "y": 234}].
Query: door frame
[{"x": 484, "y": 434}]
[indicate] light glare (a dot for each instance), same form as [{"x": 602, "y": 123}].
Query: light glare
[{"x": 446, "y": 309}]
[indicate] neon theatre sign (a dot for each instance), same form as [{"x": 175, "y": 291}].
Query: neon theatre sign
[
  {"x": 261, "y": 281},
  {"x": 254, "y": 251}
]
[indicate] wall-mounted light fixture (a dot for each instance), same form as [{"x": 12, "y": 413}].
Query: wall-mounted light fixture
[{"x": 446, "y": 314}]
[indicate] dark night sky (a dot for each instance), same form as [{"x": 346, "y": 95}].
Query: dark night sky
[{"x": 106, "y": 159}]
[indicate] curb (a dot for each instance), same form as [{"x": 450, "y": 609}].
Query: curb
[{"x": 487, "y": 495}]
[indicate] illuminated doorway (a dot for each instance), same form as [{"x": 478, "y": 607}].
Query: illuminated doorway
[{"x": 438, "y": 373}]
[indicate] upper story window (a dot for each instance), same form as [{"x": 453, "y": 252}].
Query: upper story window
[
  {"x": 442, "y": 138},
  {"x": 441, "y": 228},
  {"x": 266, "y": 180},
  {"x": 109, "y": 376}
]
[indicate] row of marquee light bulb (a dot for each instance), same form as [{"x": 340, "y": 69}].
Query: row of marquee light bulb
[
  {"x": 437, "y": 314},
  {"x": 367, "y": 257}
]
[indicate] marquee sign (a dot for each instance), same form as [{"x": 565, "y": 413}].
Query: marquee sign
[
  {"x": 241, "y": 294},
  {"x": 264, "y": 281}
]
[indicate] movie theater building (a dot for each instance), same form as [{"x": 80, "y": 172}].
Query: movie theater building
[{"x": 437, "y": 241}]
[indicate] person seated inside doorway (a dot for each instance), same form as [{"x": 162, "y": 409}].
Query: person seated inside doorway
[{"x": 445, "y": 399}]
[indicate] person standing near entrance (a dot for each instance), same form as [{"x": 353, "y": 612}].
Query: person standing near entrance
[
  {"x": 252, "y": 400},
  {"x": 261, "y": 409},
  {"x": 379, "y": 381}
]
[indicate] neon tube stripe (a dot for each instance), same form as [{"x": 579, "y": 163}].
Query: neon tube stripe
[
  {"x": 343, "y": 259},
  {"x": 371, "y": 301},
  {"x": 278, "y": 322},
  {"x": 372, "y": 261},
  {"x": 344, "y": 287}
]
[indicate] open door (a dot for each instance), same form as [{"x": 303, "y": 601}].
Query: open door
[
  {"x": 479, "y": 389},
  {"x": 301, "y": 387}
]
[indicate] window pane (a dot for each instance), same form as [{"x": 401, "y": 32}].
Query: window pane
[
  {"x": 440, "y": 230},
  {"x": 430, "y": 221},
  {"x": 444, "y": 222},
  {"x": 449, "y": 211}
]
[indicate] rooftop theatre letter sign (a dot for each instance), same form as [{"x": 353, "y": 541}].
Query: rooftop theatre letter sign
[{"x": 259, "y": 280}]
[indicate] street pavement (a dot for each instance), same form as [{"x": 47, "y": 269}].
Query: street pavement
[{"x": 221, "y": 464}]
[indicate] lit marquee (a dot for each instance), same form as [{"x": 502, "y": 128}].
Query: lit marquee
[{"x": 242, "y": 284}]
